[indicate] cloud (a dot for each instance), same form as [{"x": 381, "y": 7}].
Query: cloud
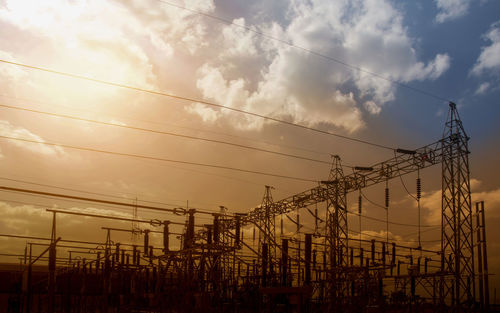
[
  {"x": 431, "y": 202},
  {"x": 240, "y": 42},
  {"x": 7, "y": 129},
  {"x": 21, "y": 219},
  {"x": 483, "y": 88},
  {"x": 114, "y": 41},
  {"x": 372, "y": 107},
  {"x": 489, "y": 59},
  {"x": 432, "y": 70},
  {"x": 285, "y": 82},
  {"x": 90, "y": 37},
  {"x": 451, "y": 9},
  {"x": 11, "y": 72}
]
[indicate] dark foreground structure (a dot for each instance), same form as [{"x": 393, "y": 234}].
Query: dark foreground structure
[{"x": 247, "y": 263}]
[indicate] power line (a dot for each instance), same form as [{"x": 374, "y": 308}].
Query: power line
[
  {"x": 288, "y": 43},
  {"x": 65, "y": 196},
  {"x": 164, "y": 94},
  {"x": 372, "y": 202},
  {"x": 175, "y": 211},
  {"x": 109, "y": 207},
  {"x": 183, "y": 127},
  {"x": 393, "y": 223},
  {"x": 161, "y": 159},
  {"x": 44, "y": 206},
  {"x": 165, "y": 133},
  {"x": 87, "y": 203},
  {"x": 83, "y": 191},
  {"x": 351, "y": 230},
  {"x": 115, "y": 196}
]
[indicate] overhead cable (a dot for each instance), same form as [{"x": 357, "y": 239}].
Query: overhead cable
[
  {"x": 138, "y": 156},
  {"x": 170, "y": 95}
]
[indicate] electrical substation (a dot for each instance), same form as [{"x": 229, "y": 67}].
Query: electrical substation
[{"x": 246, "y": 262}]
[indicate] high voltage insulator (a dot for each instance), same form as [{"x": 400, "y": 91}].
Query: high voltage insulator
[
  {"x": 419, "y": 189},
  {"x": 386, "y": 197},
  {"x": 359, "y": 204}
]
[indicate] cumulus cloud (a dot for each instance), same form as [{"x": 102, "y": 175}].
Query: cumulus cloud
[
  {"x": 489, "y": 59},
  {"x": 93, "y": 37},
  {"x": 109, "y": 40},
  {"x": 290, "y": 82},
  {"x": 21, "y": 219},
  {"x": 9, "y": 130},
  {"x": 121, "y": 42},
  {"x": 372, "y": 107},
  {"x": 431, "y": 202},
  {"x": 451, "y": 9},
  {"x": 240, "y": 42},
  {"x": 432, "y": 70}
]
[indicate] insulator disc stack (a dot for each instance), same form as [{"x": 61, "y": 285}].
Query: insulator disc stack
[{"x": 419, "y": 189}]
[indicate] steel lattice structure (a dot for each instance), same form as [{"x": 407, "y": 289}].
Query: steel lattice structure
[
  {"x": 215, "y": 270},
  {"x": 456, "y": 218}
]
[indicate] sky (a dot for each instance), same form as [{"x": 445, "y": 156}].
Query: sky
[{"x": 377, "y": 70}]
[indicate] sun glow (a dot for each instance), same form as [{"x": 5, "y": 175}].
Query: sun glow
[{"x": 81, "y": 42}]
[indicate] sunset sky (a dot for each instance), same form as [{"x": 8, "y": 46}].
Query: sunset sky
[{"x": 376, "y": 70}]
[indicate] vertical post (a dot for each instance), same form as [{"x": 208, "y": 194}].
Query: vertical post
[
  {"x": 373, "y": 250},
  {"x": 98, "y": 262},
  {"x": 299, "y": 271},
  {"x": 485, "y": 260},
  {"x": 387, "y": 210},
  {"x": 383, "y": 255},
  {"x": 190, "y": 229},
  {"x": 284, "y": 261},
  {"x": 361, "y": 257},
  {"x": 237, "y": 231},
  {"x": 52, "y": 267},
  {"x": 166, "y": 234},
  {"x": 479, "y": 258},
  {"x": 393, "y": 261},
  {"x": 308, "y": 248},
  {"x": 146, "y": 241},
  {"x": 117, "y": 253},
  {"x": 264, "y": 264},
  {"x": 216, "y": 228},
  {"x": 28, "y": 287}
]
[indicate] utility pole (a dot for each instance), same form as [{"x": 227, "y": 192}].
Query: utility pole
[{"x": 52, "y": 267}]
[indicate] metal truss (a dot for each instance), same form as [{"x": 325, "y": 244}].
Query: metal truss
[{"x": 456, "y": 218}]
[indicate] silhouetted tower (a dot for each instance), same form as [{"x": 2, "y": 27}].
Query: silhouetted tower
[
  {"x": 268, "y": 223},
  {"x": 336, "y": 220},
  {"x": 456, "y": 217},
  {"x": 336, "y": 233}
]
